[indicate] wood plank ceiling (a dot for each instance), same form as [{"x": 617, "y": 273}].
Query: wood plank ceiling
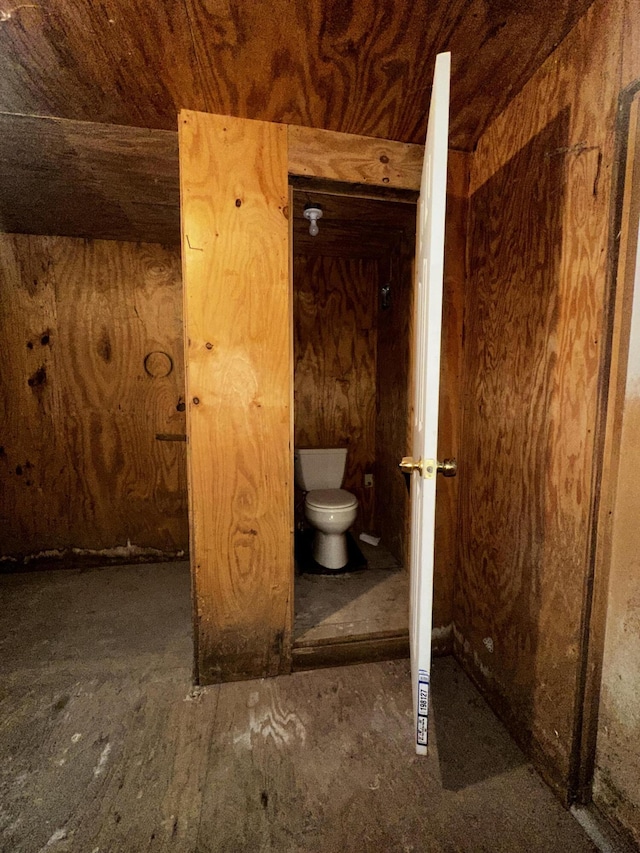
[{"x": 359, "y": 66}]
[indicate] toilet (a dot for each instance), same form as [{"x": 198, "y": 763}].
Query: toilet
[{"x": 328, "y": 508}]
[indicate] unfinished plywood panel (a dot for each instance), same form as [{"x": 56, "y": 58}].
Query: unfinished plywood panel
[
  {"x": 534, "y": 327},
  {"x": 354, "y": 159},
  {"x": 511, "y": 388},
  {"x": 35, "y": 486},
  {"x": 83, "y": 179},
  {"x": 450, "y": 403},
  {"x": 237, "y": 317},
  {"x": 617, "y": 761},
  {"x": 91, "y": 348},
  {"x": 359, "y": 68},
  {"x": 393, "y": 383},
  {"x": 335, "y": 314}
]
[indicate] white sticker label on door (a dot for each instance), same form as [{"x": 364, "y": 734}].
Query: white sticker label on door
[{"x": 423, "y": 707}]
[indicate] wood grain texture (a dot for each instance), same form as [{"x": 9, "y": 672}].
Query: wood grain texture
[
  {"x": 610, "y": 718},
  {"x": 451, "y": 371},
  {"x": 625, "y": 212},
  {"x": 361, "y": 68},
  {"x": 511, "y": 378},
  {"x": 335, "y": 343},
  {"x": 237, "y": 323},
  {"x": 531, "y": 389},
  {"x": 354, "y": 159},
  {"x": 81, "y": 179},
  {"x": 388, "y": 646},
  {"x": 393, "y": 385},
  {"x": 81, "y": 465}
]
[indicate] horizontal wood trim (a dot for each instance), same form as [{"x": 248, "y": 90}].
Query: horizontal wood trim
[
  {"x": 383, "y": 645},
  {"x": 350, "y": 651},
  {"x": 351, "y": 638},
  {"x": 354, "y": 159},
  {"x": 371, "y": 192}
]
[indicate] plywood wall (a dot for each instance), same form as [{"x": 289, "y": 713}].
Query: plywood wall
[
  {"x": 450, "y": 402},
  {"x": 335, "y": 343},
  {"x": 92, "y": 382},
  {"x": 239, "y": 355},
  {"x": 617, "y": 759},
  {"x": 511, "y": 390},
  {"x": 393, "y": 388},
  {"x": 535, "y": 323}
]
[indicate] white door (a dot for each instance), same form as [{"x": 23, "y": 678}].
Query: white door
[{"x": 423, "y": 464}]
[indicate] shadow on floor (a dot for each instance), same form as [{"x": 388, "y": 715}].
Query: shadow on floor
[{"x": 470, "y": 740}]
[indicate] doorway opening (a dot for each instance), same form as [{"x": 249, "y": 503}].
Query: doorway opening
[{"x": 352, "y": 324}]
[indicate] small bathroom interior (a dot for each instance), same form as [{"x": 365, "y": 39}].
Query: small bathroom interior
[{"x": 352, "y": 302}]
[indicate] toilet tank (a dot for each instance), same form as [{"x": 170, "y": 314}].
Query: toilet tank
[{"x": 320, "y": 468}]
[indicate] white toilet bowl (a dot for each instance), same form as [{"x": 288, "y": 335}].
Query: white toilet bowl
[{"x": 331, "y": 512}]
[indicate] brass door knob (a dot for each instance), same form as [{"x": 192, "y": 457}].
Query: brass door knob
[
  {"x": 448, "y": 468},
  {"x": 408, "y": 465},
  {"x": 428, "y": 467}
]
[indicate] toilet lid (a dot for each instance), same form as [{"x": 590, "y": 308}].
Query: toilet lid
[{"x": 331, "y": 499}]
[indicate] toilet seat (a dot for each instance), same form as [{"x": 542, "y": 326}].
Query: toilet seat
[{"x": 331, "y": 499}]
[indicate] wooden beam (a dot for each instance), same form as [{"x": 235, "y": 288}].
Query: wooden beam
[
  {"x": 238, "y": 360},
  {"x": 354, "y": 159},
  {"x": 83, "y": 179}
]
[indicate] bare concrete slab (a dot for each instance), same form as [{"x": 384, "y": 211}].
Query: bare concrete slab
[{"x": 105, "y": 746}]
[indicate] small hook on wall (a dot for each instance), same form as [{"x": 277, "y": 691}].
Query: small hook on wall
[{"x": 385, "y": 296}]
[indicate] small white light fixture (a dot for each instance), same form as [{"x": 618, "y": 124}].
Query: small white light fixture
[{"x": 312, "y": 212}]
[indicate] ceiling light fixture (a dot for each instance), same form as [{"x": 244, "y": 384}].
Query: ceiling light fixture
[{"x": 312, "y": 212}]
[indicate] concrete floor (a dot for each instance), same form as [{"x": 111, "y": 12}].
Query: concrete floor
[{"x": 104, "y": 745}]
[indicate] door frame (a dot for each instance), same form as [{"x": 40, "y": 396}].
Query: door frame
[
  {"x": 219, "y": 626},
  {"x": 624, "y": 210},
  {"x": 388, "y": 644}
]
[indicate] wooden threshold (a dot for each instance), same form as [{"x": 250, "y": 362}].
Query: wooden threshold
[{"x": 383, "y": 645}]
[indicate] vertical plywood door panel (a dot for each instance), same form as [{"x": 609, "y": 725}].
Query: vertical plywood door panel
[
  {"x": 238, "y": 353},
  {"x": 82, "y": 466},
  {"x": 335, "y": 302}
]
